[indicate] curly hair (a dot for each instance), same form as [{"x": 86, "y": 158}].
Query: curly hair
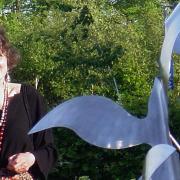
[{"x": 13, "y": 56}]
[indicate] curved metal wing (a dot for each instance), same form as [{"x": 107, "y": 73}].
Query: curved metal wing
[
  {"x": 97, "y": 120},
  {"x": 101, "y": 122}
]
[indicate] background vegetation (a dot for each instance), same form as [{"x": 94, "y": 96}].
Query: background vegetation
[{"x": 81, "y": 47}]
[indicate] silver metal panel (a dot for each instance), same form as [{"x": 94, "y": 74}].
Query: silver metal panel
[
  {"x": 168, "y": 23},
  {"x": 156, "y": 156},
  {"x": 172, "y": 27},
  {"x": 102, "y": 122}
]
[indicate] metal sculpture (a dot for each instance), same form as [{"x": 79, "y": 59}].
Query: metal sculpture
[
  {"x": 100, "y": 121},
  {"x": 103, "y": 123},
  {"x": 154, "y": 158}
]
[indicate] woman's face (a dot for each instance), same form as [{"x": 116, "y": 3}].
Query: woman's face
[{"x": 3, "y": 66}]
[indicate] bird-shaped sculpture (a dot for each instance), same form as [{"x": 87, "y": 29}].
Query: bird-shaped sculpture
[{"x": 101, "y": 122}]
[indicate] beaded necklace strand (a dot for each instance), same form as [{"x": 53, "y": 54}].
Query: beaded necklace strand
[
  {"x": 4, "y": 115},
  {"x": 3, "y": 120}
]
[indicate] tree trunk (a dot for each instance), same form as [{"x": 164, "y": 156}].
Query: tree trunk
[{"x": 16, "y": 6}]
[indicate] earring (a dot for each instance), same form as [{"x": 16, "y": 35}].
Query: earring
[{"x": 7, "y": 77}]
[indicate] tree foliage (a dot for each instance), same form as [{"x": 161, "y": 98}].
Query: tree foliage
[{"x": 80, "y": 47}]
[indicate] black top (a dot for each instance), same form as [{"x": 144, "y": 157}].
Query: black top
[{"x": 24, "y": 110}]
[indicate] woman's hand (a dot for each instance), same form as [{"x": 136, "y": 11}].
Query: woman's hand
[{"x": 21, "y": 162}]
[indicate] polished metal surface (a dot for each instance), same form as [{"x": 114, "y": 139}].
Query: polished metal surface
[
  {"x": 168, "y": 23},
  {"x": 156, "y": 156},
  {"x": 103, "y": 123},
  {"x": 171, "y": 42}
]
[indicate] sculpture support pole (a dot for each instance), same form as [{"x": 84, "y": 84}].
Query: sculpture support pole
[{"x": 174, "y": 142}]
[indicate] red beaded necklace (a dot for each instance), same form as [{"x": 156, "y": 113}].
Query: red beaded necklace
[{"x": 4, "y": 115}]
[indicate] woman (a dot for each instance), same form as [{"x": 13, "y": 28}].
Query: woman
[{"x": 21, "y": 156}]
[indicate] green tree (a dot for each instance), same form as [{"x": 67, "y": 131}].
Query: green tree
[{"x": 79, "y": 48}]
